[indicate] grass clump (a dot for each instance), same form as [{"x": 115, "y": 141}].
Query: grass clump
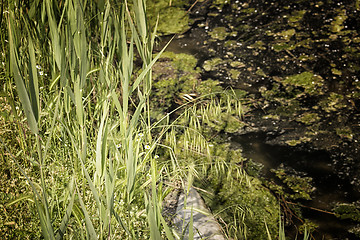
[{"x": 87, "y": 136}]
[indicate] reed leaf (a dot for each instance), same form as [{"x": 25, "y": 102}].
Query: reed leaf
[
  {"x": 19, "y": 81},
  {"x": 101, "y": 145},
  {"x": 151, "y": 215},
  {"x": 89, "y": 226},
  {"x": 33, "y": 82},
  {"x": 61, "y": 231}
]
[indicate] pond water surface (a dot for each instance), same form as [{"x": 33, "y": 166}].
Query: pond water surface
[
  {"x": 330, "y": 188},
  {"x": 269, "y": 49}
]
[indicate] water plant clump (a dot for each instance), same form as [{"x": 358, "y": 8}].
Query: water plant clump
[
  {"x": 170, "y": 17},
  {"x": 220, "y": 33},
  {"x": 300, "y": 187},
  {"x": 349, "y": 211},
  {"x": 213, "y": 64},
  {"x": 333, "y": 102},
  {"x": 310, "y": 82},
  {"x": 308, "y": 118}
]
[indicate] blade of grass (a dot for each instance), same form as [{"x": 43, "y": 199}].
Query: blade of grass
[
  {"x": 61, "y": 231},
  {"x": 101, "y": 145},
  {"x": 33, "y": 82},
  {"x": 45, "y": 221},
  {"x": 19, "y": 81},
  {"x": 154, "y": 230},
  {"x": 89, "y": 226}
]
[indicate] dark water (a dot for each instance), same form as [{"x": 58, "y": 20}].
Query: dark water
[
  {"x": 319, "y": 165},
  {"x": 330, "y": 188}
]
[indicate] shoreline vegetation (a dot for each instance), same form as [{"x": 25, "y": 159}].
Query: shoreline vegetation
[{"x": 96, "y": 129}]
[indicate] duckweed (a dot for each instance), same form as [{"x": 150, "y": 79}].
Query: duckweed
[
  {"x": 212, "y": 64},
  {"x": 306, "y": 80},
  {"x": 332, "y": 103},
  {"x": 219, "y": 33},
  {"x": 345, "y": 132},
  {"x": 348, "y": 211},
  {"x": 309, "y": 118}
]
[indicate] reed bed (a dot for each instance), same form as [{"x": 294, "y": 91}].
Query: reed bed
[{"x": 86, "y": 106}]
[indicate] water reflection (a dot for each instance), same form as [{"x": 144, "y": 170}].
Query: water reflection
[{"x": 330, "y": 188}]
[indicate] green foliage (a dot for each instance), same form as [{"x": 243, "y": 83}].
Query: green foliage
[
  {"x": 237, "y": 198},
  {"x": 18, "y": 218}
]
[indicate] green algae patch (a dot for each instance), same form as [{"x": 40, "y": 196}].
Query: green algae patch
[
  {"x": 172, "y": 19},
  {"x": 237, "y": 64},
  {"x": 260, "y": 72},
  {"x": 338, "y": 23},
  {"x": 310, "y": 82},
  {"x": 286, "y": 34},
  {"x": 294, "y": 187},
  {"x": 248, "y": 10},
  {"x": 295, "y": 18},
  {"x": 334, "y": 102},
  {"x": 295, "y": 142},
  {"x": 212, "y": 64},
  {"x": 220, "y": 3},
  {"x": 305, "y": 57},
  {"x": 219, "y": 33},
  {"x": 277, "y": 47},
  {"x": 258, "y": 45},
  {"x": 231, "y": 44},
  {"x": 181, "y": 61},
  {"x": 309, "y": 118},
  {"x": 336, "y": 71},
  {"x": 345, "y": 133},
  {"x": 175, "y": 80},
  {"x": 234, "y": 74},
  {"x": 288, "y": 109},
  {"x": 271, "y": 116},
  {"x": 209, "y": 86},
  {"x": 348, "y": 211}
]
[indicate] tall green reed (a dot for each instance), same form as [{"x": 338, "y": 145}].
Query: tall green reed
[{"x": 95, "y": 115}]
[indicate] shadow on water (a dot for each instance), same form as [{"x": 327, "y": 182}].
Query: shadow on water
[{"x": 330, "y": 188}]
